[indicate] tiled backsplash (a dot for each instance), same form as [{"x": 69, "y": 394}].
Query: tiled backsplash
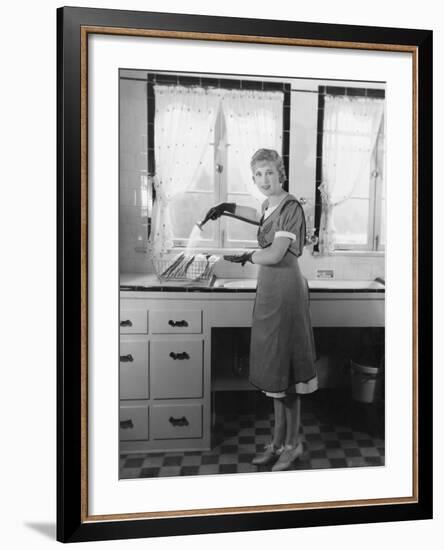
[{"x": 345, "y": 267}]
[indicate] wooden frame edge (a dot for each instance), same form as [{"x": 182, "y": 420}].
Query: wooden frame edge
[{"x": 219, "y": 37}]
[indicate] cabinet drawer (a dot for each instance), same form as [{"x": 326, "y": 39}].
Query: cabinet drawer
[
  {"x": 176, "y": 322},
  {"x": 133, "y": 321},
  {"x": 176, "y": 369},
  {"x": 176, "y": 421},
  {"x": 133, "y": 422},
  {"x": 134, "y": 369}
]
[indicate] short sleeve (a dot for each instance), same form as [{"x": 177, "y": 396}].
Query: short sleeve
[{"x": 291, "y": 223}]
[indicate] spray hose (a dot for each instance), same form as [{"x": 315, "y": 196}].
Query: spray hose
[{"x": 230, "y": 215}]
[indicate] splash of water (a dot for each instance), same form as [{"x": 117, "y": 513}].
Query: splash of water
[{"x": 195, "y": 236}]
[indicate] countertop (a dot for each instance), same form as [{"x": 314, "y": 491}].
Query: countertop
[{"x": 140, "y": 282}]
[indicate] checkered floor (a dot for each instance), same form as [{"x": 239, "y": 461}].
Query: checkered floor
[{"x": 334, "y": 434}]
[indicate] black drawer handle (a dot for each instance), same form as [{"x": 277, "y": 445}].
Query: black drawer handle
[
  {"x": 126, "y": 424},
  {"x": 183, "y": 355},
  {"x": 179, "y": 421},
  {"x": 182, "y": 323},
  {"x": 126, "y": 358},
  {"x": 126, "y": 323}
]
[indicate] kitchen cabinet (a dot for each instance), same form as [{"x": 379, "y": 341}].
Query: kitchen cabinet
[
  {"x": 165, "y": 357},
  {"x": 134, "y": 379},
  {"x": 134, "y": 422},
  {"x": 176, "y": 369},
  {"x": 165, "y": 391}
]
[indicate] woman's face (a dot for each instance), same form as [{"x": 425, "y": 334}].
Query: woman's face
[{"x": 266, "y": 177}]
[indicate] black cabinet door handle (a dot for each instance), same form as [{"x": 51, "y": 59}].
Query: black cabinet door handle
[
  {"x": 126, "y": 323},
  {"x": 126, "y": 424},
  {"x": 183, "y": 355},
  {"x": 182, "y": 323},
  {"x": 126, "y": 358},
  {"x": 178, "y": 421}
]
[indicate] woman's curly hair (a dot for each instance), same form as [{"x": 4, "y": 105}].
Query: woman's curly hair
[{"x": 270, "y": 155}]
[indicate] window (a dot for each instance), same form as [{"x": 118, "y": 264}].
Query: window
[
  {"x": 350, "y": 212},
  {"x": 204, "y": 136},
  {"x": 217, "y": 180}
]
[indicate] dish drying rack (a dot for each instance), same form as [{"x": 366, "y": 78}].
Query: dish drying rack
[{"x": 186, "y": 268}]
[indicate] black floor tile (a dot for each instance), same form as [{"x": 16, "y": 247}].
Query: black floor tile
[
  {"x": 149, "y": 472},
  {"x": 134, "y": 462},
  {"x": 318, "y": 454},
  {"x": 212, "y": 459},
  {"x": 172, "y": 461},
  {"x": 345, "y": 435},
  {"x": 338, "y": 463},
  {"x": 374, "y": 461},
  {"x": 352, "y": 453},
  {"x": 228, "y": 468},
  {"x": 365, "y": 443},
  {"x": 262, "y": 431},
  {"x": 332, "y": 444},
  {"x": 245, "y": 458},
  {"x": 313, "y": 437},
  {"x": 189, "y": 471},
  {"x": 229, "y": 449}
]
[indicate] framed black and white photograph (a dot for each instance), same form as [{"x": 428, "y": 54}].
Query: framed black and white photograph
[{"x": 244, "y": 255}]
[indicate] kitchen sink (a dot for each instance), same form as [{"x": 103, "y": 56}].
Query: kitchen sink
[
  {"x": 333, "y": 284},
  {"x": 241, "y": 283},
  {"x": 340, "y": 284}
]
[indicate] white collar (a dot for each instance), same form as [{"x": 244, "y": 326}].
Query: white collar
[{"x": 270, "y": 209}]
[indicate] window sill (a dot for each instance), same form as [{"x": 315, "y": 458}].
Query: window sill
[
  {"x": 216, "y": 251},
  {"x": 359, "y": 253}
]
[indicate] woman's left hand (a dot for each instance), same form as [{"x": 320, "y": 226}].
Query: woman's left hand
[{"x": 240, "y": 258}]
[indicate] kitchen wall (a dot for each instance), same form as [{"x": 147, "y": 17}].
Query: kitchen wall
[
  {"x": 134, "y": 184},
  {"x": 133, "y": 176}
]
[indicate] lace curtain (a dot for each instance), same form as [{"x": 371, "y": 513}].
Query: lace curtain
[
  {"x": 184, "y": 130},
  {"x": 351, "y": 128},
  {"x": 253, "y": 120},
  {"x": 183, "y": 126}
]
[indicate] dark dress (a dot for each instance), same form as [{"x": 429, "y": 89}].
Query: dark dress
[{"x": 282, "y": 352}]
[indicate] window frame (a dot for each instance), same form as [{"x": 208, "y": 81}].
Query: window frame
[
  {"x": 220, "y": 191},
  {"x": 372, "y": 246}
]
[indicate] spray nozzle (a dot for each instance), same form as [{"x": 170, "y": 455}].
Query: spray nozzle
[{"x": 202, "y": 222}]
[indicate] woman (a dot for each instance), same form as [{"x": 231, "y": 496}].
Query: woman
[{"x": 282, "y": 347}]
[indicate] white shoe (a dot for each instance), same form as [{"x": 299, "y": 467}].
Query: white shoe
[
  {"x": 287, "y": 457},
  {"x": 269, "y": 454}
]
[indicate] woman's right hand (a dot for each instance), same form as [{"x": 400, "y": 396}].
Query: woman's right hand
[
  {"x": 240, "y": 258},
  {"x": 218, "y": 210}
]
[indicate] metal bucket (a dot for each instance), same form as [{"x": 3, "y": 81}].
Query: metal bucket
[{"x": 365, "y": 382}]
